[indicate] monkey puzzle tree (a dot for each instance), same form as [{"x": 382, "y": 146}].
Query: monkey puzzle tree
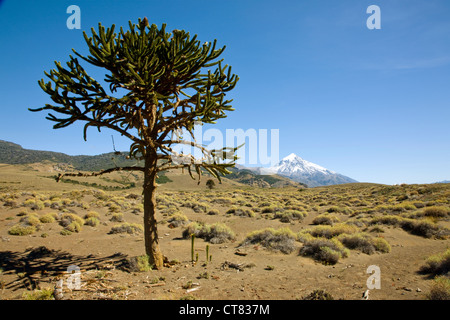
[{"x": 159, "y": 83}]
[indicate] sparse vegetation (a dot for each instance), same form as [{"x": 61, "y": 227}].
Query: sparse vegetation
[
  {"x": 440, "y": 289},
  {"x": 214, "y": 233},
  {"x": 130, "y": 228},
  {"x": 438, "y": 264},
  {"x": 361, "y": 220},
  {"x": 278, "y": 240},
  {"x": 324, "y": 250}
]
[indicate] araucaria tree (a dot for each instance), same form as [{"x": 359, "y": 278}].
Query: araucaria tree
[{"x": 159, "y": 83}]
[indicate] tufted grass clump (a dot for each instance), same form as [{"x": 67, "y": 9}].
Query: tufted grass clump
[
  {"x": 21, "y": 230},
  {"x": 48, "y": 218},
  {"x": 178, "y": 219},
  {"x": 27, "y": 225},
  {"x": 325, "y": 219},
  {"x": 328, "y": 232},
  {"x": 440, "y": 289},
  {"x": 71, "y": 222},
  {"x": 438, "y": 264},
  {"x": 364, "y": 242},
  {"x": 92, "y": 221},
  {"x": 213, "y": 233},
  {"x": 274, "y": 239},
  {"x": 117, "y": 217},
  {"x": 91, "y": 214},
  {"x": 43, "y": 294},
  {"x": 420, "y": 227},
  {"x": 290, "y": 215},
  {"x": 241, "y": 212},
  {"x": 130, "y": 228},
  {"x": 436, "y": 212},
  {"x": 326, "y": 251},
  {"x": 213, "y": 212}
]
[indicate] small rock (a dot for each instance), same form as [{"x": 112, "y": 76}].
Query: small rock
[
  {"x": 407, "y": 289},
  {"x": 418, "y": 290}
]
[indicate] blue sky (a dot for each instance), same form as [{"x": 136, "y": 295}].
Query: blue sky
[{"x": 371, "y": 104}]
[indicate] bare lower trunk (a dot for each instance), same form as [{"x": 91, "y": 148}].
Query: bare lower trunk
[{"x": 150, "y": 227}]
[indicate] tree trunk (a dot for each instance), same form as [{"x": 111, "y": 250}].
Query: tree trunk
[{"x": 150, "y": 227}]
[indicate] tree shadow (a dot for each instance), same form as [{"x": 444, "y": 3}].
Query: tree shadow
[{"x": 42, "y": 264}]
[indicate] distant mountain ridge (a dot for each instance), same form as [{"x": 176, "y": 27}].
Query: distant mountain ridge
[
  {"x": 305, "y": 172},
  {"x": 11, "y": 153}
]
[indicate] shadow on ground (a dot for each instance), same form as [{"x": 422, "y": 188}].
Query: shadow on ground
[{"x": 42, "y": 264}]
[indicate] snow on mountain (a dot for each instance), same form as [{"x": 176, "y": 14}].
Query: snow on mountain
[{"x": 303, "y": 171}]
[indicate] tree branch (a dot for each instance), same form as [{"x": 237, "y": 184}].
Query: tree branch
[{"x": 101, "y": 172}]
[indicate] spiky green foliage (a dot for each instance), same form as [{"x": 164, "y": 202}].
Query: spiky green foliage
[
  {"x": 168, "y": 81},
  {"x": 160, "y": 83}
]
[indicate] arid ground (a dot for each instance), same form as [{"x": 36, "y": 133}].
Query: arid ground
[{"x": 251, "y": 243}]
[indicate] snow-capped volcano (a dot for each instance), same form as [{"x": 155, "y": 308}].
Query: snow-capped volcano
[{"x": 306, "y": 172}]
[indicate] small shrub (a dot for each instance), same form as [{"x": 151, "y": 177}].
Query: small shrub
[
  {"x": 92, "y": 221},
  {"x": 68, "y": 218},
  {"x": 48, "y": 218},
  {"x": 438, "y": 264},
  {"x": 329, "y": 232},
  {"x": 358, "y": 241},
  {"x": 130, "y": 228},
  {"x": 65, "y": 232},
  {"x": 436, "y": 212},
  {"x": 440, "y": 290},
  {"x": 117, "y": 217},
  {"x": 424, "y": 228},
  {"x": 278, "y": 240},
  {"x": 214, "y": 233},
  {"x": 318, "y": 295},
  {"x": 91, "y": 214},
  {"x": 177, "y": 220},
  {"x": 334, "y": 209},
  {"x": 74, "y": 226},
  {"x": 44, "y": 294},
  {"x": 241, "y": 212},
  {"x": 213, "y": 212},
  {"x": 381, "y": 245},
  {"x": 326, "y": 219},
  {"x": 324, "y": 250},
  {"x": 137, "y": 264},
  {"x": 290, "y": 215},
  {"x": 21, "y": 230},
  {"x": 304, "y": 236},
  {"x": 30, "y": 220}
]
